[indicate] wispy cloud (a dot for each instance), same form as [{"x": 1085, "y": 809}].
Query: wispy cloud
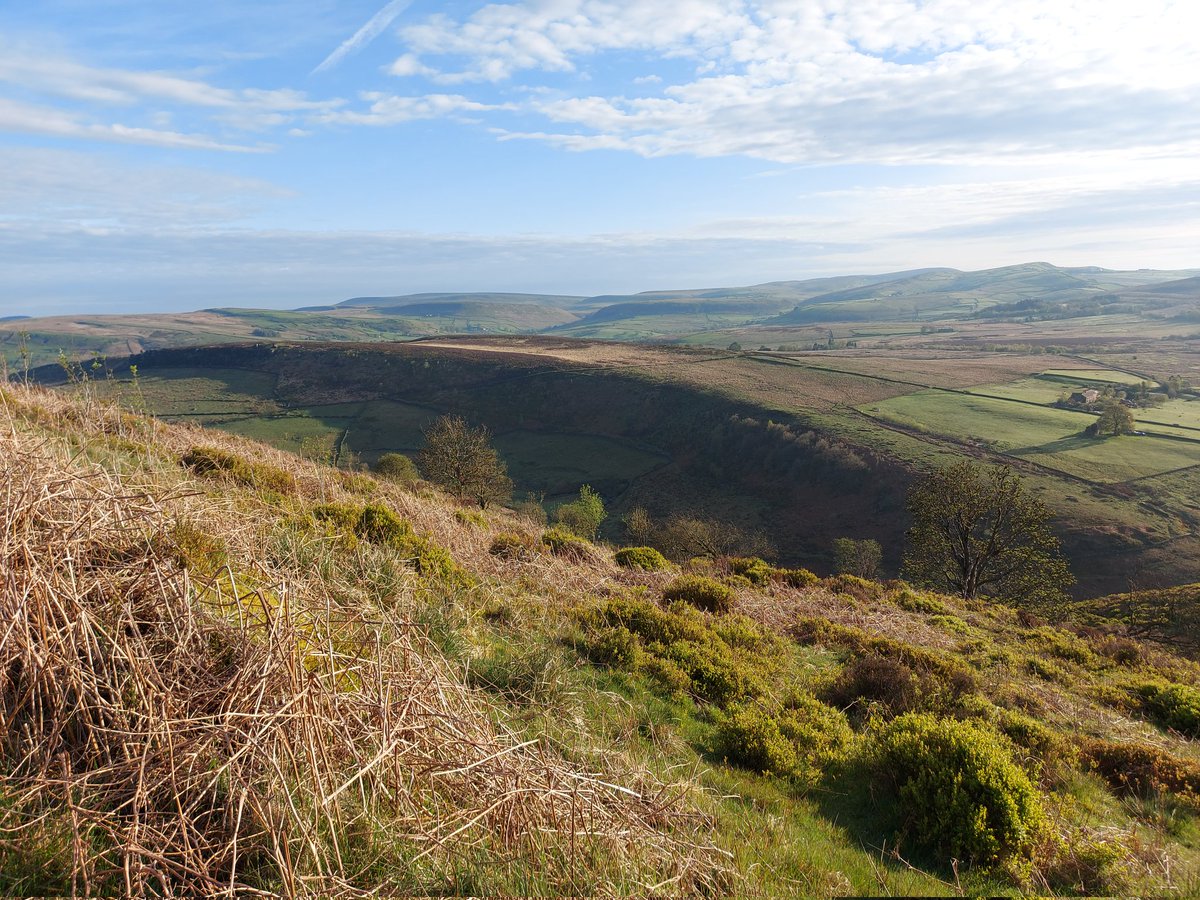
[
  {"x": 371, "y": 30},
  {"x": 28, "y": 119}
]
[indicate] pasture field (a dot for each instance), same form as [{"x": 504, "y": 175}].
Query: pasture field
[
  {"x": 1050, "y": 437},
  {"x": 1104, "y": 376}
]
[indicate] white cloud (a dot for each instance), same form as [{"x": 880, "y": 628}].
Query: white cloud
[
  {"x": 409, "y": 65},
  {"x": 890, "y": 81},
  {"x": 390, "y": 109},
  {"x": 29, "y": 119}
]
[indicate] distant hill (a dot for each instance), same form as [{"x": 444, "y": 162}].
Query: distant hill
[
  {"x": 1027, "y": 292},
  {"x": 555, "y": 300}
]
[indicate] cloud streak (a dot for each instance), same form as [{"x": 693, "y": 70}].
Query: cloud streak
[{"x": 371, "y": 30}]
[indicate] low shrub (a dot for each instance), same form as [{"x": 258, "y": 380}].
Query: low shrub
[
  {"x": 339, "y": 515},
  {"x": 379, "y": 525},
  {"x": 216, "y": 462},
  {"x": 645, "y": 558},
  {"x": 720, "y": 661},
  {"x": 948, "y": 675},
  {"x": 957, "y": 790},
  {"x": 1142, "y": 770},
  {"x": 757, "y": 571},
  {"x": 511, "y": 545},
  {"x": 566, "y": 544},
  {"x": 1122, "y": 651},
  {"x": 1174, "y": 706},
  {"x": 875, "y": 682},
  {"x": 920, "y": 603},
  {"x": 738, "y": 582},
  {"x": 356, "y": 483},
  {"x": 796, "y": 578},
  {"x": 398, "y": 468},
  {"x": 798, "y": 742},
  {"x": 858, "y": 588},
  {"x": 701, "y": 592},
  {"x": 474, "y": 517}
]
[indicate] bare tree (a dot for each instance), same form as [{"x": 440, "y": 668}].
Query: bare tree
[{"x": 463, "y": 461}]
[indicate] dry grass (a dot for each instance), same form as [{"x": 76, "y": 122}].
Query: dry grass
[{"x": 181, "y": 731}]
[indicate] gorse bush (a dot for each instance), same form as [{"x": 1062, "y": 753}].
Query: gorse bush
[
  {"x": 700, "y": 592},
  {"x": 957, "y": 791},
  {"x": 797, "y": 578},
  {"x": 720, "y": 661},
  {"x": 645, "y": 558},
  {"x": 755, "y": 570},
  {"x": 397, "y": 467},
  {"x": 1175, "y": 706},
  {"x": 798, "y": 742},
  {"x": 214, "y": 461}
]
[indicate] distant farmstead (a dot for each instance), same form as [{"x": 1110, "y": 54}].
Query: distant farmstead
[{"x": 1084, "y": 398}]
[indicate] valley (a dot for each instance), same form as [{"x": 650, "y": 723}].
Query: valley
[{"x": 803, "y": 446}]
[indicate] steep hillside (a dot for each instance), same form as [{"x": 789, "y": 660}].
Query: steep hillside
[{"x": 226, "y": 670}]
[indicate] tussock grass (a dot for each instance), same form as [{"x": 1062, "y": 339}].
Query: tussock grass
[{"x": 183, "y": 714}]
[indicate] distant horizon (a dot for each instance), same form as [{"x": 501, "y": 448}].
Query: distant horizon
[{"x": 329, "y": 302}]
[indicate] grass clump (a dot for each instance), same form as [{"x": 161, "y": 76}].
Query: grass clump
[
  {"x": 1174, "y": 706},
  {"x": 379, "y": 525},
  {"x": 798, "y": 742},
  {"x": 645, "y": 558},
  {"x": 957, "y": 790},
  {"x": 511, "y": 545},
  {"x": 561, "y": 542},
  {"x": 213, "y": 461},
  {"x": 701, "y": 592}
]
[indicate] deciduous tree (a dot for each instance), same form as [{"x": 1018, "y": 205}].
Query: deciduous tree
[
  {"x": 978, "y": 532},
  {"x": 463, "y": 461}
]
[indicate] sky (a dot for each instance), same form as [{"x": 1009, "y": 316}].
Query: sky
[{"x": 161, "y": 156}]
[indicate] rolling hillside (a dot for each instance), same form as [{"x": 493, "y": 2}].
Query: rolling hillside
[
  {"x": 229, "y": 670},
  {"x": 781, "y": 312}
]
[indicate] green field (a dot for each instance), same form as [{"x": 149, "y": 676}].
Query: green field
[
  {"x": 1050, "y": 437},
  {"x": 1104, "y": 376}
]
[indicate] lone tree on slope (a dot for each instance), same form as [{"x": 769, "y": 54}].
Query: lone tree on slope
[
  {"x": 463, "y": 461},
  {"x": 977, "y": 532}
]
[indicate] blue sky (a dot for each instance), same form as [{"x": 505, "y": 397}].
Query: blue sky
[{"x": 160, "y": 156}]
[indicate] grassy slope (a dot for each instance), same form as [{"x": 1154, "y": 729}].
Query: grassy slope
[{"x": 531, "y": 715}]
